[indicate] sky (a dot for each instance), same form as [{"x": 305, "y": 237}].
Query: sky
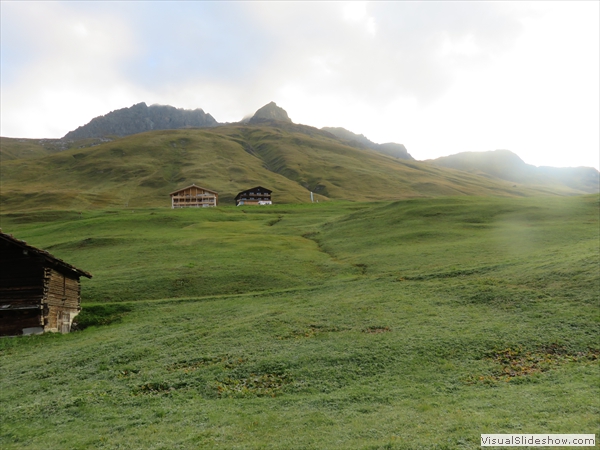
[{"x": 439, "y": 77}]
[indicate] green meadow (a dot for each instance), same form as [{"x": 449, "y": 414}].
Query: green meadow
[{"x": 411, "y": 324}]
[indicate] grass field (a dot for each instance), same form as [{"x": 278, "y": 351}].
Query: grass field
[{"x": 400, "y": 325}]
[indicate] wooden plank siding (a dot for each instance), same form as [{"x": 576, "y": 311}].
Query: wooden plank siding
[
  {"x": 14, "y": 322},
  {"x": 63, "y": 297},
  {"x": 194, "y": 197},
  {"x": 38, "y": 292}
]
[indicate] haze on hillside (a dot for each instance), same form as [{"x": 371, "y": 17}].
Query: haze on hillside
[{"x": 439, "y": 77}]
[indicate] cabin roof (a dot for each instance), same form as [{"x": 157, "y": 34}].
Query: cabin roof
[
  {"x": 253, "y": 189},
  {"x": 43, "y": 254},
  {"x": 193, "y": 185}
]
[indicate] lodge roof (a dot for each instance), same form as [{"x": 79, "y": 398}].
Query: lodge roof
[
  {"x": 193, "y": 185},
  {"x": 43, "y": 254}
]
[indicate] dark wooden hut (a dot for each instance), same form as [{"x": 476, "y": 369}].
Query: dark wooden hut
[
  {"x": 255, "y": 196},
  {"x": 38, "y": 292}
]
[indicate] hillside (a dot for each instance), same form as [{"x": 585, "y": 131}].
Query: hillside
[
  {"x": 415, "y": 324},
  {"x": 308, "y": 161},
  {"x": 505, "y": 165},
  {"x": 19, "y": 148},
  {"x": 140, "y": 118},
  {"x": 292, "y": 160}
]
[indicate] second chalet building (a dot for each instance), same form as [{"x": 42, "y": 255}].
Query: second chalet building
[
  {"x": 194, "y": 197},
  {"x": 255, "y": 196}
]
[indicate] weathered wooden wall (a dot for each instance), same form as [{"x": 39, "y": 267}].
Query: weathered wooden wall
[
  {"x": 63, "y": 296},
  {"x": 34, "y": 296},
  {"x": 21, "y": 291},
  {"x": 13, "y": 322}
]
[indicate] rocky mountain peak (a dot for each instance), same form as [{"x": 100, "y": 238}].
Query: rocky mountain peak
[
  {"x": 140, "y": 118},
  {"x": 270, "y": 112}
]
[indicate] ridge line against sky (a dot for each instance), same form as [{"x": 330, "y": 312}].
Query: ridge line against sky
[{"x": 438, "y": 77}]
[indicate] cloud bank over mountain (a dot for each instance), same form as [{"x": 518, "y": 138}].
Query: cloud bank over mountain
[{"x": 471, "y": 75}]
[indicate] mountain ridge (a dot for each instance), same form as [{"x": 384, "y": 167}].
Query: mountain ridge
[
  {"x": 389, "y": 148},
  {"x": 140, "y": 118},
  {"x": 508, "y": 166},
  {"x": 292, "y": 160},
  {"x": 269, "y": 148}
]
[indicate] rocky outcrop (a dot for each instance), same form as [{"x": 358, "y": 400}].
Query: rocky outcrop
[
  {"x": 359, "y": 140},
  {"x": 270, "y": 112},
  {"x": 393, "y": 149},
  {"x": 140, "y": 118}
]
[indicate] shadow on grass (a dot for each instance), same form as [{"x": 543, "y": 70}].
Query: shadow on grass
[{"x": 99, "y": 315}]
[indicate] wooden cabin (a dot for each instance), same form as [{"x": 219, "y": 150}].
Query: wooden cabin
[
  {"x": 38, "y": 292},
  {"x": 194, "y": 197},
  {"x": 255, "y": 196}
]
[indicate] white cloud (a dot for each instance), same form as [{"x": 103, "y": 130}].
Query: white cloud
[
  {"x": 72, "y": 72},
  {"x": 354, "y": 11},
  {"x": 440, "y": 77}
]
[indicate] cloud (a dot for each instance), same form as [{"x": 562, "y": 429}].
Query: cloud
[
  {"x": 251, "y": 52},
  {"x": 57, "y": 57},
  {"x": 437, "y": 76},
  {"x": 415, "y": 50},
  {"x": 369, "y": 53}
]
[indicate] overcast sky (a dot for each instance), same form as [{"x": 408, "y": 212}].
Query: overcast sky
[{"x": 439, "y": 77}]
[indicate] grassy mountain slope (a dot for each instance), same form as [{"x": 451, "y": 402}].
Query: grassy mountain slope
[
  {"x": 17, "y": 148},
  {"x": 413, "y": 324},
  {"x": 140, "y": 170}
]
